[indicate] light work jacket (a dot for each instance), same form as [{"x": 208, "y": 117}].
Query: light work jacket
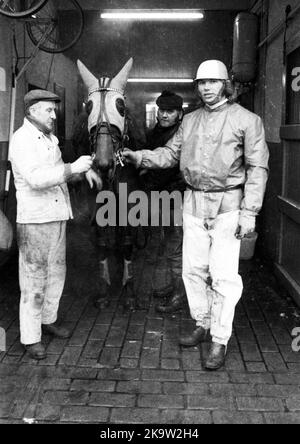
[
  {"x": 40, "y": 177},
  {"x": 218, "y": 149}
]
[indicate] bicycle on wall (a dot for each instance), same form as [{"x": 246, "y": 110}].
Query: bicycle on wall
[{"x": 52, "y": 25}]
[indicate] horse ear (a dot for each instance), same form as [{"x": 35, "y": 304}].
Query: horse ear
[
  {"x": 89, "y": 79},
  {"x": 120, "y": 81}
]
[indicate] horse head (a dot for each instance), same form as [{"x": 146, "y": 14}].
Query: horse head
[{"x": 106, "y": 115}]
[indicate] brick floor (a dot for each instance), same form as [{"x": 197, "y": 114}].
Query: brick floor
[{"x": 126, "y": 367}]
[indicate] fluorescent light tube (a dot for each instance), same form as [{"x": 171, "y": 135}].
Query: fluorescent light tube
[
  {"x": 154, "y": 80},
  {"x": 152, "y": 15}
]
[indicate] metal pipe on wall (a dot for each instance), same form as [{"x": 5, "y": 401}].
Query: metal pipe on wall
[{"x": 256, "y": 6}]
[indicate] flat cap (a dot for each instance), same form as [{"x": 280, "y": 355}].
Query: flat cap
[
  {"x": 169, "y": 100},
  {"x": 39, "y": 95}
]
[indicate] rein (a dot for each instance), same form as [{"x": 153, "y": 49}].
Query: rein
[{"x": 119, "y": 143}]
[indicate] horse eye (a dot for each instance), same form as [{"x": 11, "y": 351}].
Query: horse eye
[
  {"x": 120, "y": 104},
  {"x": 89, "y": 107}
]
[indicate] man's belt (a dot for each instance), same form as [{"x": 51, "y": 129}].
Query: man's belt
[{"x": 219, "y": 190}]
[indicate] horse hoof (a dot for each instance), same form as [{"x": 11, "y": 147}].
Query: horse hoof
[
  {"x": 101, "y": 303},
  {"x": 129, "y": 304}
]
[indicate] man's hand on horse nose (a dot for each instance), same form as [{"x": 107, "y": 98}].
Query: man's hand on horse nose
[
  {"x": 134, "y": 157},
  {"x": 93, "y": 178},
  {"x": 82, "y": 165}
]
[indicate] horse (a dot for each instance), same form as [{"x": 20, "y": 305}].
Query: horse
[{"x": 105, "y": 130}]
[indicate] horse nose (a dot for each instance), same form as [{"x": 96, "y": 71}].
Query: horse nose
[{"x": 105, "y": 165}]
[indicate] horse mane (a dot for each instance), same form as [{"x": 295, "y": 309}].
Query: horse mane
[
  {"x": 136, "y": 136},
  {"x": 80, "y": 138}
]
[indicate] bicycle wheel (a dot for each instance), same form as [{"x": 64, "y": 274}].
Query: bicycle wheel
[
  {"x": 20, "y": 8},
  {"x": 59, "y": 25}
]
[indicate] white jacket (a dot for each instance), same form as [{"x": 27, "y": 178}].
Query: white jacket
[{"x": 40, "y": 177}]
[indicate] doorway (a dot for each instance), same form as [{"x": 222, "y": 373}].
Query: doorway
[{"x": 288, "y": 265}]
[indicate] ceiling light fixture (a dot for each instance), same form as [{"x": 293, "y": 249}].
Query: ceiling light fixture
[
  {"x": 154, "y": 80},
  {"x": 153, "y": 14}
]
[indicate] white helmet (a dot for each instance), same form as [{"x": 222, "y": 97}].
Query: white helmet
[{"x": 212, "y": 69}]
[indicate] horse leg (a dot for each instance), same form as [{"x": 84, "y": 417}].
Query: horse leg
[
  {"x": 104, "y": 282},
  {"x": 128, "y": 292}
]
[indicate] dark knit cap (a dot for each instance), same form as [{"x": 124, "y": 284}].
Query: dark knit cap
[
  {"x": 169, "y": 101},
  {"x": 39, "y": 95}
]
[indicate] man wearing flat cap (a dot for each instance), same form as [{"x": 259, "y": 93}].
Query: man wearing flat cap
[
  {"x": 43, "y": 208},
  {"x": 169, "y": 118}
]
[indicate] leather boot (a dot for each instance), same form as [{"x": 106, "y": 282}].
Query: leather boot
[
  {"x": 216, "y": 357},
  {"x": 199, "y": 335},
  {"x": 55, "y": 330},
  {"x": 36, "y": 351}
]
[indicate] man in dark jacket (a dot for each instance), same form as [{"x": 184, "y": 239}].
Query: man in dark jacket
[{"x": 169, "y": 118}]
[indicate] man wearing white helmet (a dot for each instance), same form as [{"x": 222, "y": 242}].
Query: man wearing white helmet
[{"x": 223, "y": 157}]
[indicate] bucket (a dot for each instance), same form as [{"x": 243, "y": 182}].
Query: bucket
[{"x": 248, "y": 246}]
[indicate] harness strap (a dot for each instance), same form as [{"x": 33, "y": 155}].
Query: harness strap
[{"x": 106, "y": 89}]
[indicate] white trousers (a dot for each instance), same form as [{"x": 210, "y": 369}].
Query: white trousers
[
  {"x": 210, "y": 272},
  {"x": 42, "y": 272}
]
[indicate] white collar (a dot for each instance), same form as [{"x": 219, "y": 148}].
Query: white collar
[
  {"x": 217, "y": 105},
  {"x": 32, "y": 127},
  {"x": 38, "y": 132}
]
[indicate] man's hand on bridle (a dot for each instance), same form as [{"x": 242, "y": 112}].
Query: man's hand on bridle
[
  {"x": 133, "y": 157},
  {"x": 81, "y": 165}
]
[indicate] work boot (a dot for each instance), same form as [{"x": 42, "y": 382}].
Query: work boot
[
  {"x": 199, "y": 335},
  {"x": 55, "y": 330},
  {"x": 216, "y": 357},
  {"x": 36, "y": 351}
]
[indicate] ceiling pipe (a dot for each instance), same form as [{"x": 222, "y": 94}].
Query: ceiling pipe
[{"x": 279, "y": 27}]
